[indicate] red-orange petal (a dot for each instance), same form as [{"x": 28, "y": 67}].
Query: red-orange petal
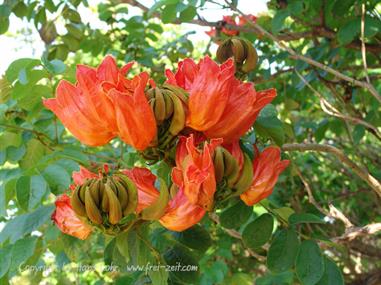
[
  {"x": 67, "y": 221},
  {"x": 266, "y": 168},
  {"x": 181, "y": 214},
  {"x": 135, "y": 119}
]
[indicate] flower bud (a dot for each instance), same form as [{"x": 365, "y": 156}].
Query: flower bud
[
  {"x": 48, "y": 32},
  {"x": 244, "y": 54},
  {"x": 225, "y": 166},
  {"x": 104, "y": 201},
  {"x": 168, "y": 104}
]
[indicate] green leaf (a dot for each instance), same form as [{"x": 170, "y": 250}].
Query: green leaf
[
  {"x": 30, "y": 190},
  {"x": 3, "y": 202},
  {"x": 303, "y": 218},
  {"x": 71, "y": 42},
  {"x": 35, "y": 150},
  {"x": 284, "y": 278},
  {"x": 4, "y": 25},
  {"x": 54, "y": 66},
  {"x": 196, "y": 238},
  {"x": 258, "y": 232},
  {"x": 58, "y": 178},
  {"x": 352, "y": 29},
  {"x": 109, "y": 252},
  {"x": 278, "y": 20},
  {"x": 358, "y": 133},
  {"x": 72, "y": 246},
  {"x": 309, "y": 264},
  {"x": 169, "y": 14},
  {"x": 332, "y": 274},
  {"x": 5, "y": 10},
  {"x": 159, "y": 277},
  {"x": 283, "y": 251},
  {"x": 71, "y": 15},
  {"x": 348, "y": 32},
  {"x": 160, "y": 4},
  {"x": 73, "y": 154},
  {"x": 14, "y": 154},
  {"x": 74, "y": 31},
  {"x": 236, "y": 215},
  {"x": 188, "y": 14},
  {"x": 239, "y": 279},
  {"x": 5, "y": 259},
  {"x": 25, "y": 224},
  {"x": 295, "y": 7},
  {"x": 284, "y": 212},
  {"x": 20, "y": 10},
  {"x": 10, "y": 139},
  {"x": 340, "y": 8},
  {"x": 179, "y": 255},
  {"x": 139, "y": 252},
  {"x": 122, "y": 245},
  {"x": 268, "y": 125},
  {"x": 21, "y": 251},
  {"x": 23, "y": 79},
  {"x": 15, "y": 67}
]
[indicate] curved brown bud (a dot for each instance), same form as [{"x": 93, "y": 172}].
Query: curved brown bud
[
  {"x": 115, "y": 209},
  {"x": 92, "y": 210}
]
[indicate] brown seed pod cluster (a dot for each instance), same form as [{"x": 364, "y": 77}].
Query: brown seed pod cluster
[
  {"x": 106, "y": 200},
  {"x": 168, "y": 104},
  {"x": 244, "y": 54}
]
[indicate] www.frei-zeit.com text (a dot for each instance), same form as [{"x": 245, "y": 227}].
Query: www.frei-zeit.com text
[{"x": 109, "y": 268}]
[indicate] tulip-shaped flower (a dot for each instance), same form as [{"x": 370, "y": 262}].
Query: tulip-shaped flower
[
  {"x": 195, "y": 169},
  {"x": 79, "y": 177},
  {"x": 145, "y": 184},
  {"x": 181, "y": 214},
  {"x": 64, "y": 216},
  {"x": 134, "y": 116},
  {"x": 266, "y": 169},
  {"x": 220, "y": 105},
  {"x": 104, "y": 104},
  {"x": 84, "y": 108},
  {"x": 67, "y": 221}
]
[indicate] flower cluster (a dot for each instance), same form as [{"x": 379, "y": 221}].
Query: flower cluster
[
  {"x": 199, "y": 114},
  {"x": 233, "y": 21}
]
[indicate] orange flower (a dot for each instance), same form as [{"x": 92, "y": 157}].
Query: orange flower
[
  {"x": 231, "y": 21},
  {"x": 181, "y": 214},
  {"x": 104, "y": 104},
  {"x": 67, "y": 221},
  {"x": 243, "y": 21},
  {"x": 266, "y": 168},
  {"x": 135, "y": 119},
  {"x": 194, "y": 171},
  {"x": 235, "y": 104},
  {"x": 80, "y": 176},
  {"x": 145, "y": 183},
  {"x": 212, "y": 33},
  {"x": 84, "y": 108}
]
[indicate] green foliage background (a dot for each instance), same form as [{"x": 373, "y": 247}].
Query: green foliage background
[{"x": 291, "y": 238}]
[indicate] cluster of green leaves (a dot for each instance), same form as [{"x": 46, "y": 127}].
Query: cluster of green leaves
[{"x": 287, "y": 258}]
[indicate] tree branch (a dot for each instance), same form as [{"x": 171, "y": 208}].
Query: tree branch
[
  {"x": 316, "y": 32},
  {"x": 362, "y": 173},
  {"x": 330, "y": 110},
  {"x": 310, "y": 61},
  {"x": 354, "y": 232}
]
